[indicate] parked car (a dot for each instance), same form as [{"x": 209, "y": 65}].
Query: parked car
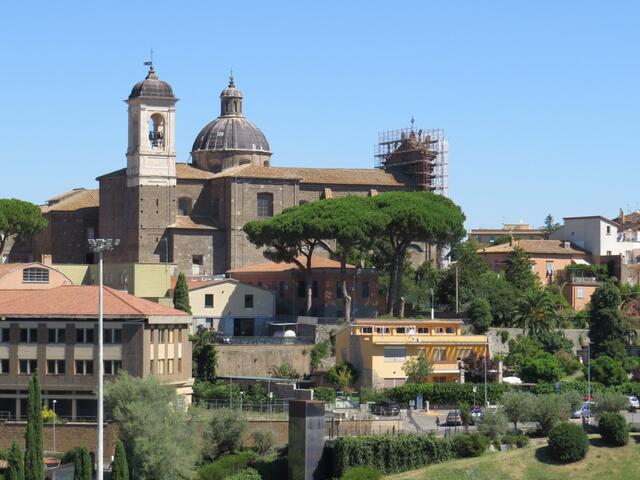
[
  {"x": 584, "y": 411},
  {"x": 634, "y": 403},
  {"x": 454, "y": 418},
  {"x": 385, "y": 407},
  {"x": 476, "y": 414}
]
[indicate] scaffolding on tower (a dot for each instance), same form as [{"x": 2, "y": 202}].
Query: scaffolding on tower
[{"x": 423, "y": 155}]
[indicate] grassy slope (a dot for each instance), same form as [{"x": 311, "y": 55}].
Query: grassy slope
[{"x": 533, "y": 463}]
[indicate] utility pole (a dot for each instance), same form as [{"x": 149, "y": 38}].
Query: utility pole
[
  {"x": 457, "y": 303},
  {"x": 99, "y": 246}
]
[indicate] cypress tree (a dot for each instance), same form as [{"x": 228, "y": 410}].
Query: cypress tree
[
  {"x": 120, "y": 468},
  {"x": 34, "y": 461},
  {"x": 82, "y": 468},
  {"x": 15, "y": 470},
  {"x": 181, "y": 294}
]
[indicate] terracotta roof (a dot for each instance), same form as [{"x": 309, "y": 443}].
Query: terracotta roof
[
  {"x": 116, "y": 173},
  {"x": 73, "y": 200},
  {"x": 316, "y": 262},
  {"x": 78, "y": 301},
  {"x": 184, "y": 171},
  {"x": 325, "y": 176},
  {"x": 629, "y": 221},
  {"x": 184, "y": 221},
  {"x": 193, "y": 284},
  {"x": 551, "y": 247}
]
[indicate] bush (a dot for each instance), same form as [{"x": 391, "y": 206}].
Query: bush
[
  {"x": 613, "y": 429},
  {"x": 608, "y": 371},
  {"x": 542, "y": 368},
  {"x": 368, "y": 394},
  {"x": 319, "y": 352},
  {"x": 568, "y": 442},
  {"x": 361, "y": 473},
  {"x": 446, "y": 393},
  {"x": 48, "y": 415},
  {"x": 343, "y": 375},
  {"x": 246, "y": 474},
  {"x": 504, "y": 336},
  {"x": 224, "y": 434},
  {"x": 325, "y": 394},
  {"x": 519, "y": 441},
  {"x": 568, "y": 362},
  {"x": 262, "y": 441},
  {"x": 574, "y": 400},
  {"x": 390, "y": 453},
  {"x": 285, "y": 370},
  {"x": 471, "y": 445},
  {"x": 70, "y": 455},
  {"x": 548, "y": 411},
  {"x": 518, "y": 407},
  {"x": 608, "y": 402},
  {"x": 492, "y": 424},
  {"x": 225, "y": 466}
]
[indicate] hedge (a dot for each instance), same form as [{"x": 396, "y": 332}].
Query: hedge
[
  {"x": 447, "y": 393},
  {"x": 627, "y": 388},
  {"x": 568, "y": 442},
  {"x": 390, "y": 453},
  {"x": 470, "y": 445}
]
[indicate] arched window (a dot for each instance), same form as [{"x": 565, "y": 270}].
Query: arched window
[
  {"x": 265, "y": 205},
  {"x": 156, "y": 131},
  {"x": 184, "y": 206}
]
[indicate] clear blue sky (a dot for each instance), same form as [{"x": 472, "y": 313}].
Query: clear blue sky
[{"x": 539, "y": 100}]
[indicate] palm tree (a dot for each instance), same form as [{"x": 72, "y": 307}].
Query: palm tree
[{"x": 535, "y": 312}]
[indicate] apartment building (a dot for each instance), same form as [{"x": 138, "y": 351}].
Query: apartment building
[
  {"x": 379, "y": 349},
  {"x": 53, "y": 332}
]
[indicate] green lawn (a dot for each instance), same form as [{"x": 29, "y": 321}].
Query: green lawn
[{"x": 534, "y": 463}]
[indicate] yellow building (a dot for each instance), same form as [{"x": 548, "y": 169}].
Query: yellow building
[{"x": 379, "y": 349}]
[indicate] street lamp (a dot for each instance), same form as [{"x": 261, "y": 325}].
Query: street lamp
[
  {"x": 54, "y": 426},
  {"x": 99, "y": 246},
  {"x": 432, "y": 310},
  {"x": 241, "y": 395}
]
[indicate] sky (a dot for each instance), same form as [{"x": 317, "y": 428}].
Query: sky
[{"x": 539, "y": 100}]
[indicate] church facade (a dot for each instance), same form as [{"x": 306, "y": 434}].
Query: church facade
[{"x": 192, "y": 214}]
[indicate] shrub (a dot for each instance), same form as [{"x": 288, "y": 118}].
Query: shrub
[
  {"x": 568, "y": 442},
  {"x": 361, "y": 473},
  {"x": 246, "y": 474},
  {"x": 543, "y": 367},
  {"x": 224, "y": 434},
  {"x": 613, "y": 429},
  {"x": 568, "y": 362},
  {"x": 549, "y": 410},
  {"x": 284, "y": 370},
  {"x": 343, "y": 375},
  {"x": 319, "y": 352},
  {"x": 504, "y": 336},
  {"x": 262, "y": 441},
  {"x": 480, "y": 314},
  {"x": 48, "y": 415},
  {"x": 471, "y": 445},
  {"x": 225, "y": 466},
  {"x": 518, "y": 407},
  {"x": 573, "y": 399},
  {"x": 368, "y": 394},
  {"x": 608, "y": 371},
  {"x": 519, "y": 441},
  {"x": 390, "y": 453},
  {"x": 325, "y": 394},
  {"x": 608, "y": 402},
  {"x": 492, "y": 424},
  {"x": 70, "y": 455}
]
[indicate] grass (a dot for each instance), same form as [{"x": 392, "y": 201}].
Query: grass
[{"x": 534, "y": 463}]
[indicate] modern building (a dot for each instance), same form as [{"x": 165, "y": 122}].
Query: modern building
[
  {"x": 379, "y": 349},
  {"x": 288, "y": 282},
  {"x": 192, "y": 214},
  {"x": 517, "y": 231},
  {"x": 549, "y": 258},
  {"x": 50, "y": 329}
]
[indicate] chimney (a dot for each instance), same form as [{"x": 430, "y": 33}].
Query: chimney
[
  {"x": 511, "y": 239},
  {"x": 46, "y": 259},
  {"x": 566, "y": 244},
  {"x": 621, "y": 218}
]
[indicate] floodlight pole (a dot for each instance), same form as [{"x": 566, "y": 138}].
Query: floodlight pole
[{"x": 99, "y": 246}]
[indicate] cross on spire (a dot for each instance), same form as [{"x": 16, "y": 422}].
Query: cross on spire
[
  {"x": 150, "y": 61},
  {"x": 231, "y": 84}
]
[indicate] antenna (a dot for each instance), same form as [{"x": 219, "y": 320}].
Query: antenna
[{"x": 150, "y": 61}]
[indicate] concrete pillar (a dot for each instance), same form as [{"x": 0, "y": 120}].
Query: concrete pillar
[
  {"x": 74, "y": 408},
  {"x": 18, "y": 409},
  {"x": 500, "y": 371},
  {"x": 306, "y": 440}
]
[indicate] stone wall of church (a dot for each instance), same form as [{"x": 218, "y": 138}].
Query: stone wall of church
[
  {"x": 157, "y": 210},
  {"x": 119, "y": 217},
  {"x": 186, "y": 244},
  {"x": 198, "y": 193}
]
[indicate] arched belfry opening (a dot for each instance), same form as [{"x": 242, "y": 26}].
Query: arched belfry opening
[{"x": 156, "y": 131}]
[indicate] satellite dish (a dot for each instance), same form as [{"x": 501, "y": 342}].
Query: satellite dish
[{"x": 289, "y": 334}]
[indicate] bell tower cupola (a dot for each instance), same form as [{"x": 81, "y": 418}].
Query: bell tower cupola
[{"x": 151, "y": 152}]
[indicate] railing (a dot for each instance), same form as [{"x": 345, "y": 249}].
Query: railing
[
  {"x": 264, "y": 340},
  {"x": 278, "y": 410}
]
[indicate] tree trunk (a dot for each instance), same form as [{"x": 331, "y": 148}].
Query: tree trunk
[
  {"x": 393, "y": 280},
  {"x": 401, "y": 312},
  {"x": 345, "y": 293},
  {"x": 308, "y": 282},
  {"x": 398, "y": 283}
]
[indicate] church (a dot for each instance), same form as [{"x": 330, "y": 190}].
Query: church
[{"x": 192, "y": 214}]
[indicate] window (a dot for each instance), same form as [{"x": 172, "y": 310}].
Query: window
[
  {"x": 439, "y": 330},
  {"x": 179, "y": 335},
  {"x": 365, "y": 289},
  {"x": 4, "y": 366},
  {"x": 450, "y": 330},
  {"x": 365, "y": 330},
  {"x": 151, "y": 366},
  {"x": 608, "y": 229},
  {"x": 423, "y": 330},
  {"x": 580, "y": 293},
  {"x": 338, "y": 289},
  {"x": 111, "y": 367},
  {"x": 35, "y": 275},
  {"x": 27, "y": 367},
  {"x": 248, "y": 301},
  {"x": 84, "y": 335},
  {"x": 57, "y": 335},
  {"x": 383, "y": 330},
  {"x": 84, "y": 367},
  {"x": 156, "y": 131},
  {"x": 161, "y": 367},
  {"x": 161, "y": 332},
  {"x": 463, "y": 353},
  {"x": 439, "y": 354},
  {"x": 55, "y": 367},
  {"x": 208, "y": 300},
  {"x": 179, "y": 365},
  {"x": 265, "y": 205},
  {"x": 401, "y": 330},
  {"x": 4, "y": 335},
  {"x": 170, "y": 366},
  {"x": 184, "y": 206},
  {"x": 171, "y": 335},
  {"x": 609, "y": 252},
  {"x": 395, "y": 355},
  {"x": 28, "y": 335},
  {"x": 112, "y": 336},
  {"x": 549, "y": 269},
  {"x": 197, "y": 260}
]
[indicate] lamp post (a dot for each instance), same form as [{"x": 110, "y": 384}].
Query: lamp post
[
  {"x": 241, "y": 395},
  {"x": 589, "y": 379},
  {"x": 54, "y": 426},
  {"x": 486, "y": 397},
  {"x": 99, "y": 246},
  {"x": 432, "y": 308}
]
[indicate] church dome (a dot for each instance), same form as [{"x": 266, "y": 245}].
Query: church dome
[{"x": 152, "y": 86}]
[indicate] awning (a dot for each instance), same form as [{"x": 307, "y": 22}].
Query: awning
[{"x": 580, "y": 261}]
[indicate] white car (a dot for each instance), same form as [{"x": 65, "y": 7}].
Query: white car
[
  {"x": 585, "y": 411},
  {"x": 634, "y": 403}
]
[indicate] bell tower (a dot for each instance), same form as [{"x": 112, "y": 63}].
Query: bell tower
[{"x": 151, "y": 152}]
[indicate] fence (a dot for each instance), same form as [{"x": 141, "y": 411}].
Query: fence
[
  {"x": 345, "y": 428},
  {"x": 265, "y": 340},
  {"x": 278, "y": 410}
]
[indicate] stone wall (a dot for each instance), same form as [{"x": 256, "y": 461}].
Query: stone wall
[
  {"x": 258, "y": 360},
  {"x": 186, "y": 244},
  {"x": 496, "y": 345},
  {"x": 68, "y": 435}
]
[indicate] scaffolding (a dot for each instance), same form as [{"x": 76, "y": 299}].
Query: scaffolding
[{"x": 421, "y": 154}]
